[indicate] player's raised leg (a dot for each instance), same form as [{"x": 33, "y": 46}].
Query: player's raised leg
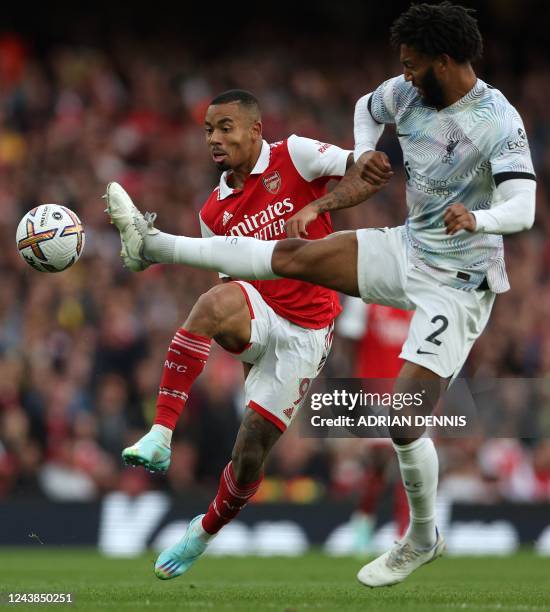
[
  {"x": 330, "y": 262},
  {"x": 239, "y": 481},
  {"x": 221, "y": 313}
]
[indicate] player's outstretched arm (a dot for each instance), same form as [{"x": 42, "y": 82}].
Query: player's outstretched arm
[{"x": 365, "y": 178}]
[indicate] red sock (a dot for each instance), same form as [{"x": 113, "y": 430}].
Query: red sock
[
  {"x": 185, "y": 360},
  {"x": 229, "y": 501}
]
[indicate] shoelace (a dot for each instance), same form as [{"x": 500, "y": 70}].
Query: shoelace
[
  {"x": 401, "y": 555},
  {"x": 150, "y": 218}
]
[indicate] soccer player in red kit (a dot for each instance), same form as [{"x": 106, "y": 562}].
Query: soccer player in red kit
[
  {"x": 281, "y": 328},
  {"x": 379, "y": 332}
]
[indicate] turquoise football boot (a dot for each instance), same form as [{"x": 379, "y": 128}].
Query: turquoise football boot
[
  {"x": 150, "y": 451},
  {"x": 177, "y": 559}
]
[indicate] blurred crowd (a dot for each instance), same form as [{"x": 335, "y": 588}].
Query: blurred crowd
[{"x": 81, "y": 352}]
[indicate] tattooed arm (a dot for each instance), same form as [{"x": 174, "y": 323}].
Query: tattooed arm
[{"x": 362, "y": 180}]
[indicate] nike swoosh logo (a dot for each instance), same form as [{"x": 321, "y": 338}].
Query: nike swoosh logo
[{"x": 421, "y": 352}]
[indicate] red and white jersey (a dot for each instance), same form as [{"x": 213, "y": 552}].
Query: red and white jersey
[
  {"x": 288, "y": 175},
  {"x": 380, "y": 331}
]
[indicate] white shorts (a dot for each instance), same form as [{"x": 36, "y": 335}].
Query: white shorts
[
  {"x": 285, "y": 359},
  {"x": 446, "y": 322}
]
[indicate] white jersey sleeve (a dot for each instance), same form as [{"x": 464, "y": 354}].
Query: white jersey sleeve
[
  {"x": 513, "y": 209},
  {"x": 510, "y": 156},
  {"x": 366, "y": 130},
  {"x": 387, "y": 99},
  {"x": 206, "y": 232},
  {"x": 314, "y": 159}
]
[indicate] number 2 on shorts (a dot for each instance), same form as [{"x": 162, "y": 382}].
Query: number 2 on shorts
[{"x": 444, "y": 324}]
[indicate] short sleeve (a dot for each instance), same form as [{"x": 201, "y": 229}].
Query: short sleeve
[
  {"x": 510, "y": 156},
  {"x": 314, "y": 159},
  {"x": 383, "y": 101}
]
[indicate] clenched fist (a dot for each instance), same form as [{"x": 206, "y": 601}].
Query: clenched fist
[
  {"x": 458, "y": 217},
  {"x": 375, "y": 168}
]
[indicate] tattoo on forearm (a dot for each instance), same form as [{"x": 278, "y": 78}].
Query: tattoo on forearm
[{"x": 351, "y": 191}]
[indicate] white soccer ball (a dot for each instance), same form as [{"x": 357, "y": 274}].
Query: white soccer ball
[{"x": 50, "y": 238}]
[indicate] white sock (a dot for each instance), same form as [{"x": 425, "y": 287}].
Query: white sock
[
  {"x": 419, "y": 470},
  {"x": 164, "y": 434},
  {"x": 238, "y": 256}
]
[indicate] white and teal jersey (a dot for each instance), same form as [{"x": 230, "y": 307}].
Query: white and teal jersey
[{"x": 458, "y": 154}]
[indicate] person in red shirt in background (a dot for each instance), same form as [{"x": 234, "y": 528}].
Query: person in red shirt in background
[{"x": 377, "y": 333}]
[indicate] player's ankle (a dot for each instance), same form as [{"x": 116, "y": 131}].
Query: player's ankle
[
  {"x": 423, "y": 536},
  {"x": 162, "y": 433},
  {"x": 159, "y": 248}
]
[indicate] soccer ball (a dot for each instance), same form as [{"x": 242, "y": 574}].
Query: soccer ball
[{"x": 50, "y": 238}]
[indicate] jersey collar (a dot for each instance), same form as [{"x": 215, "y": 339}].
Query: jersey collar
[
  {"x": 261, "y": 166},
  {"x": 477, "y": 90},
  {"x": 470, "y": 96}
]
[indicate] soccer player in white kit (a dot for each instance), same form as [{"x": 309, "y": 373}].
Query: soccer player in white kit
[{"x": 470, "y": 180}]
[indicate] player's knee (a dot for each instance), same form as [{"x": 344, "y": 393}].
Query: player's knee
[
  {"x": 404, "y": 438},
  {"x": 212, "y": 308},
  {"x": 247, "y": 463},
  {"x": 288, "y": 260}
]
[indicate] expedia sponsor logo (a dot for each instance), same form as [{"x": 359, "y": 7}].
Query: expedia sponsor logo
[
  {"x": 266, "y": 224},
  {"x": 520, "y": 143},
  {"x": 272, "y": 182}
]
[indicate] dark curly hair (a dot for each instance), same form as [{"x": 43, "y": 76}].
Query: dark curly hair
[{"x": 434, "y": 29}]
